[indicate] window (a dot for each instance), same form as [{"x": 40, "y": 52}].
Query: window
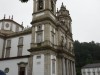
[
  {"x": 20, "y": 41},
  {"x": 53, "y": 66},
  {"x": 7, "y": 52},
  {"x": 98, "y": 72},
  {"x": 39, "y": 34},
  {"x": 52, "y": 6},
  {"x": 22, "y": 71},
  {"x": 84, "y": 73},
  {"x": 8, "y": 48},
  {"x": 52, "y": 38},
  {"x": 93, "y": 73},
  {"x": 8, "y": 43},
  {"x": 62, "y": 41},
  {"x": 22, "y": 68},
  {"x": 17, "y": 28},
  {"x": 89, "y": 73},
  {"x": 39, "y": 37},
  {"x": 38, "y": 57},
  {"x": 20, "y": 48},
  {"x": 40, "y": 4}
]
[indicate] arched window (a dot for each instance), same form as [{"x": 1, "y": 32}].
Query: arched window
[{"x": 40, "y": 4}]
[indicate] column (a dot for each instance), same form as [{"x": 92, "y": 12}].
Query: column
[
  {"x": 67, "y": 67},
  {"x": 59, "y": 65},
  {"x": 74, "y": 68},
  {"x": 64, "y": 67}
]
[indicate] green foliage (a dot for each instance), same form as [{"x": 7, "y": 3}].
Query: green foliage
[{"x": 86, "y": 53}]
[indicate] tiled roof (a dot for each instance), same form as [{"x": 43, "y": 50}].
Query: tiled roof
[{"x": 95, "y": 65}]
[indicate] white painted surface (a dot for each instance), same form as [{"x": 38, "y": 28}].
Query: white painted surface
[
  {"x": 14, "y": 45},
  {"x": 1, "y": 46},
  {"x": 13, "y": 67},
  {"x": 91, "y": 70},
  {"x": 38, "y": 65},
  {"x": 0, "y": 25}
]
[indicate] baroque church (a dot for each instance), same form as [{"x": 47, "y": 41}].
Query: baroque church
[{"x": 45, "y": 48}]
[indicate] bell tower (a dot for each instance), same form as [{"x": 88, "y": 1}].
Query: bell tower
[
  {"x": 43, "y": 10},
  {"x": 51, "y": 51}
]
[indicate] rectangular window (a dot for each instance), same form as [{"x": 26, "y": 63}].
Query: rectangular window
[
  {"x": 20, "y": 48},
  {"x": 84, "y": 73},
  {"x": 89, "y": 73},
  {"x": 39, "y": 37},
  {"x": 53, "y": 66},
  {"x": 8, "y": 43},
  {"x": 93, "y": 73},
  {"x": 17, "y": 28},
  {"x": 7, "y": 52},
  {"x": 22, "y": 71},
  {"x": 20, "y": 41},
  {"x": 52, "y": 38},
  {"x": 38, "y": 57}
]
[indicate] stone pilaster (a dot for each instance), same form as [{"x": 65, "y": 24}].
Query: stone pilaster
[
  {"x": 67, "y": 67},
  {"x": 47, "y": 65},
  {"x": 30, "y": 66},
  {"x": 60, "y": 65}
]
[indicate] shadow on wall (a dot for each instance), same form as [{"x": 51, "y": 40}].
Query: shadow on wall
[{"x": 2, "y": 73}]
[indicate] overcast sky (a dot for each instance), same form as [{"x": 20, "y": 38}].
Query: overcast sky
[{"x": 85, "y": 16}]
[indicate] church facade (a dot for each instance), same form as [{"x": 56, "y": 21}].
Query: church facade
[{"x": 46, "y": 48}]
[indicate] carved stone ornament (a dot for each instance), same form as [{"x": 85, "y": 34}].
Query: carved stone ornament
[
  {"x": 7, "y": 25},
  {"x": 6, "y": 70}
]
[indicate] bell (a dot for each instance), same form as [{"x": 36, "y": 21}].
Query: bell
[{"x": 24, "y": 1}]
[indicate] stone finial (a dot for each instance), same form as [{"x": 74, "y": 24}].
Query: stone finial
[
  {"x": 4, "y": 16},
  {"x": 22, "y": 24},
  {"x": 62, "y": 4},
  {"x": 57, "y": 9},
  {"x": 12, "y": 17},
  {"x": 9, "y": 17}
]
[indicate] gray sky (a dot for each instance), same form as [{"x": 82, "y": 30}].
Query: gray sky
[{"x": 85, "y": 16}]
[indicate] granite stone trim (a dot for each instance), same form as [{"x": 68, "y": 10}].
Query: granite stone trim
[{"x": 18, "y": 57}]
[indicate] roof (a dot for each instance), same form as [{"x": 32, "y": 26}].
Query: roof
[{"x": 94, "y": 65}]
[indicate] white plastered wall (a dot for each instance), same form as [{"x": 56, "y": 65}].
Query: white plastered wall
[
  {"x": 14, "y": 45},
  {"x": 12, "y": 65}
]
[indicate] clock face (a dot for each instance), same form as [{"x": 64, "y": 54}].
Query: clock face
[{"x": 7, "y": 25}]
